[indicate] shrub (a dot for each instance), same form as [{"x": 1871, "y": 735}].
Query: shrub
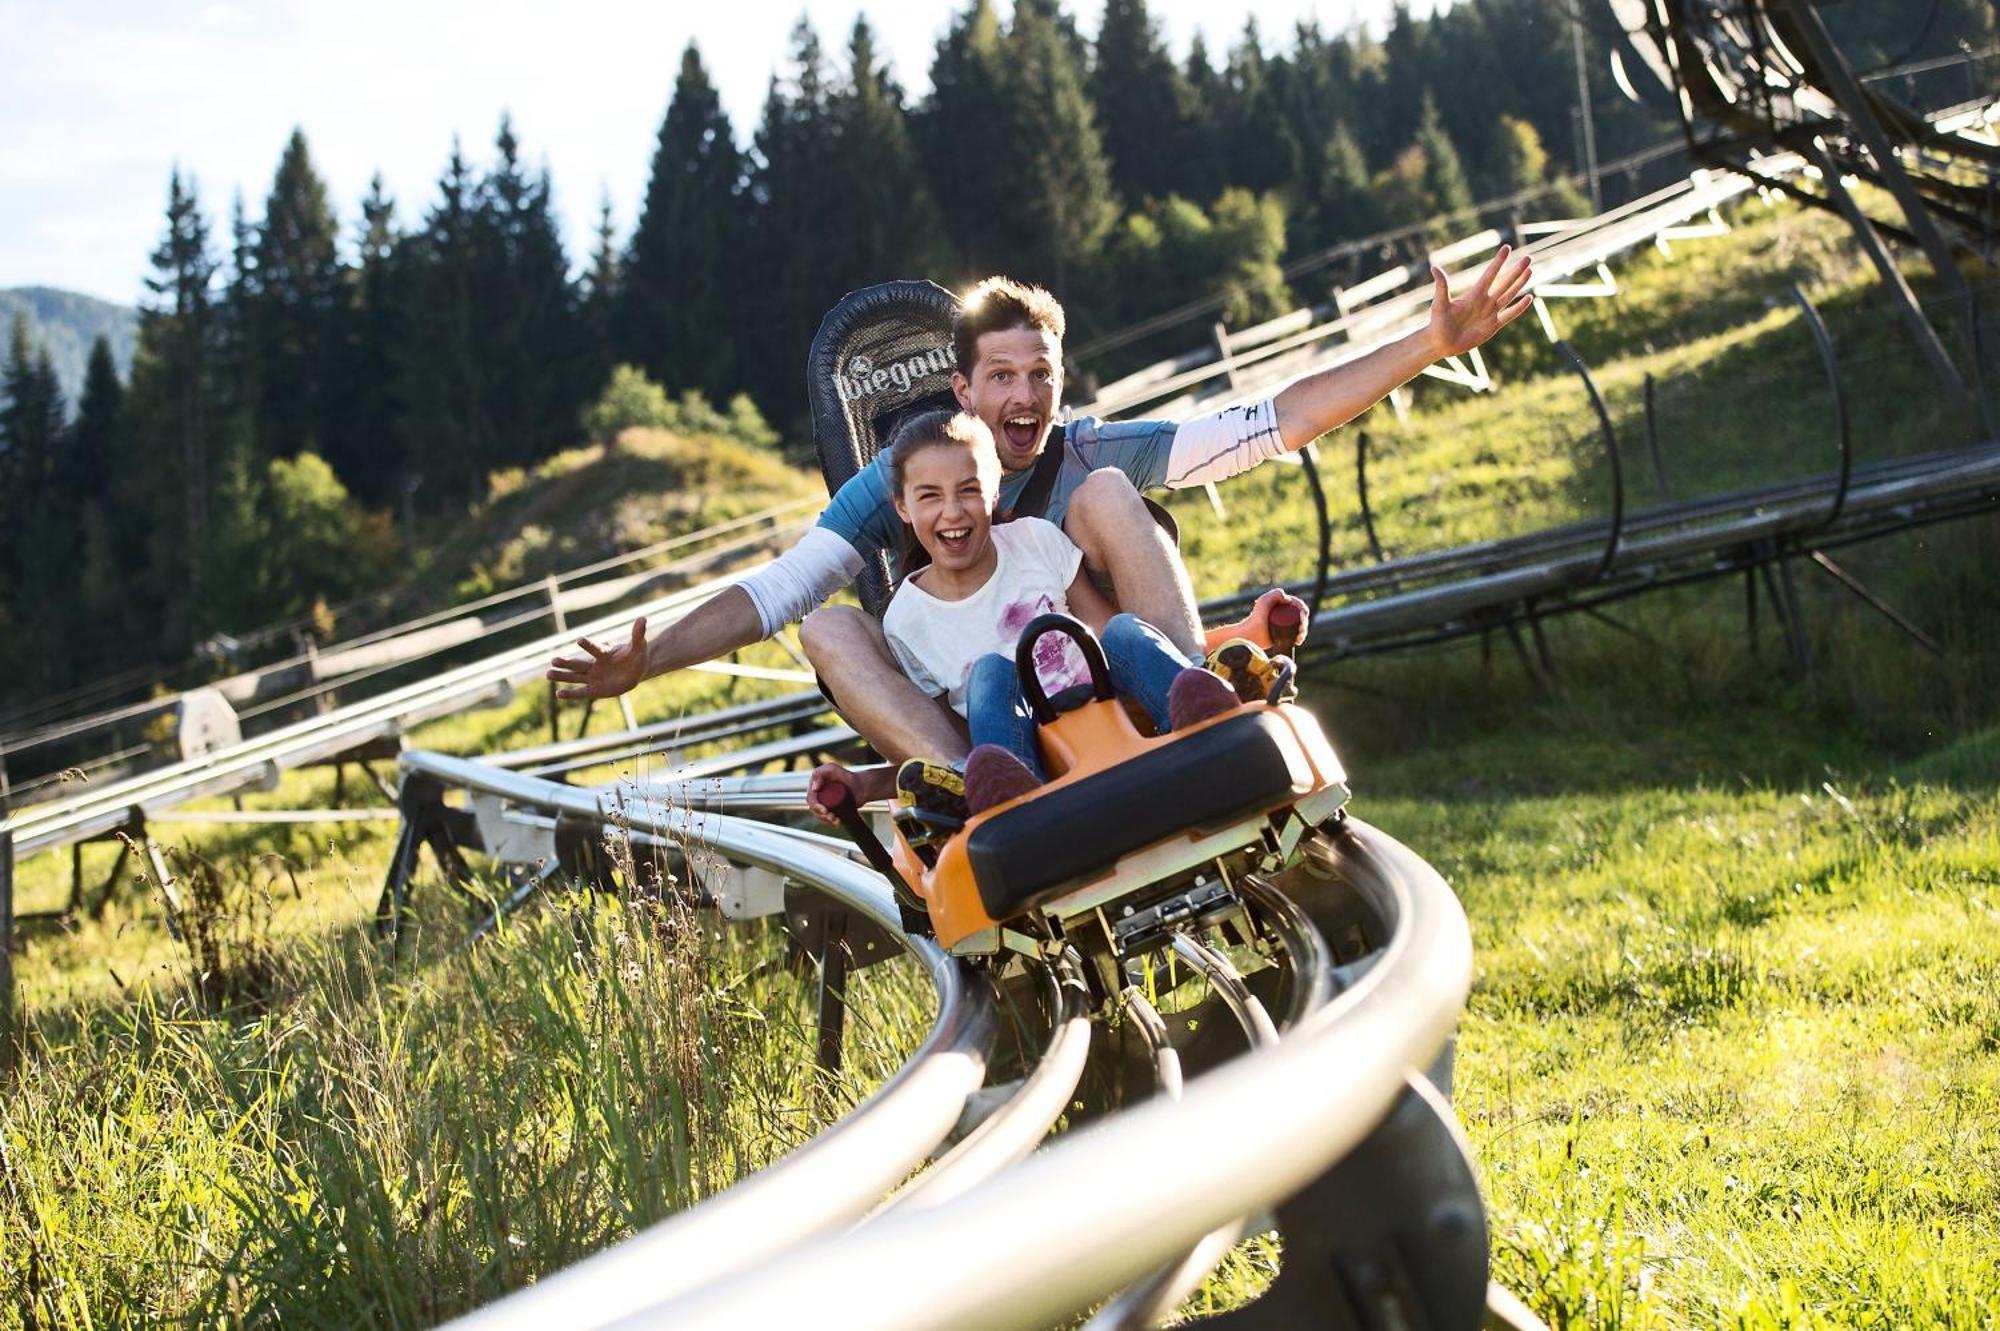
[{"x": 633, "y": 401}]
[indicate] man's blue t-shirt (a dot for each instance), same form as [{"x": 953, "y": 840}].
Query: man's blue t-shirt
[{"x": 863, "y": 514}]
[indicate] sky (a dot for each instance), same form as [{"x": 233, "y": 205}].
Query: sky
[{"x": 101, "y": 99}]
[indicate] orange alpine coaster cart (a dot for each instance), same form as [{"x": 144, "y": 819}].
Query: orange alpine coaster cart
[{"x": 1136, "y": 836}]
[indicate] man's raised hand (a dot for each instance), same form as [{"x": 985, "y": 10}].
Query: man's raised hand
[
  {"x": 603, "y": 672},
  {"x": 1256, "y": 626},
  {"x": 1499, "y": 297}
]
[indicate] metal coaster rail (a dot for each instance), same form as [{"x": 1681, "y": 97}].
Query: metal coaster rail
[
  {"x": 842, "y": 1173},
  {"x": 258, "y": 762},
  {"x": 1100, "y": 1207},
  {"x": 699, "y": 1266}
]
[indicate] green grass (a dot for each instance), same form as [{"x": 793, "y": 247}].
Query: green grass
[
  {"x": 1732, "y": 1052},
  {"x": 591, "y": 503},
  {"x": 1733, "y": 1046}
]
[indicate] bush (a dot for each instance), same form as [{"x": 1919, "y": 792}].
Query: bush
[{"x": 633, "y": 401}]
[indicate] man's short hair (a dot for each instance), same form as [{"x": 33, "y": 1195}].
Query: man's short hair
[{"x": 997, "y": 305}]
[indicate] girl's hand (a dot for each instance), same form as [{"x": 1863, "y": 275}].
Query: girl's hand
[{"x": 867, "y": 785}]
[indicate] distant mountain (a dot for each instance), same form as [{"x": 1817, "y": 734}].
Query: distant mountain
[{"x": 67, "y": 323}]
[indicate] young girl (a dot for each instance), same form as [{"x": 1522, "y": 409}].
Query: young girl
[{"x": 953, "y": 624}]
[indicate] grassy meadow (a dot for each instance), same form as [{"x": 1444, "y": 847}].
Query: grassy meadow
[{"x": 1732, "y": 1057}]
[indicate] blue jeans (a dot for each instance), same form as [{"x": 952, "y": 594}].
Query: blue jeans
[{"x": 1143, "y": 666}]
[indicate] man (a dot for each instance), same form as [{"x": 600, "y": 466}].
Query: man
[{"x": 1007, "y": 344}]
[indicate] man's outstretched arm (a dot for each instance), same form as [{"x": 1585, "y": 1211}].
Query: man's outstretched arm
[
  {"x": 1331, "y": 398},
  {"x": 721, "y": 624}
]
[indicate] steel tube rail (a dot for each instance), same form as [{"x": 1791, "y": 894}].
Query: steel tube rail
[
  {"x": 1153, "y": 1030},
  {"x": 1229, "y": 987},
  {"x": 1577, "y": 250},
  {"x": 692, "y": 729},
  {"x": 1823, "y": 340},
  {"x": 1553, "y": 560},
  {"x": 1150, "y": 1300},
  {"x": 1483, "y": 555},
  {"x": 831, "y": 1180},
  {"x": 1433, "y": 606},
  {"x": 1305, "y": 948},
  {"x": 1615, "y": 528},
  {"x": 1099, "y": 1209},
  {"x": 51, "y": 731},
  {"x": 1013, "y": 1131},
  {"x": 343, "y": 669},
  {"x": 263, "y": 758}
]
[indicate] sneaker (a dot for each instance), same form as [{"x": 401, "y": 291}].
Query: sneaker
[
  {"x": 930, "y": 800},
  {"x": 1255, "y": 676},
  {"x": 993, "y": 775},
  {"x": 1196, "y": 695}
]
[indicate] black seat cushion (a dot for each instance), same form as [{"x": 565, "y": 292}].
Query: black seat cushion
[{"x": 1203, "y": 781}]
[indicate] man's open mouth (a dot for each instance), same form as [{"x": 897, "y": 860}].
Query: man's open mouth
[{"x": 1023, "y": 431}]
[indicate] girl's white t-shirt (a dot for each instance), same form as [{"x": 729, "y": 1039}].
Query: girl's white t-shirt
[{"x": 936, "y": 641}]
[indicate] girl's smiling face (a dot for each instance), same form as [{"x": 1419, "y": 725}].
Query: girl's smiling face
[{"x": 947, "y": 497}]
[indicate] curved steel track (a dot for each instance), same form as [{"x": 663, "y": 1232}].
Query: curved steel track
[{"x": 1122, "y": 1203}]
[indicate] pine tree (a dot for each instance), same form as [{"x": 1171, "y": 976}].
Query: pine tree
[
  {"x": 1540, "y": 82},
  {"x": 93, "y": 447},
  {"x": 598, "y": 302},
  {"x": 31, "y": 426},
  {"x": 38, "y": 551},
  {"x": 965, "y": 139},
  {"x": 1477, "y": 93},
  {"x": 891, "y": 226},
  {"x": 1445, "y": 188},
  {"x": 1259, "y": 150},
  {"x": 437, "y": 374},
  {"x": 93, "y": 602},
  {"x": 526, "y": 330},
  {"x": 360, "y": 440},
  {"x": 677, "y": 297},
  {"x": 238, "y": 315},
  {"x": 800, "y": 222},
  {"x": 1058, "y": 184},
  {"x": 173, "y": 409},
  {"x": 1341, "y": 204},
  {"x": 1142, "y": 104},
  {"x": 298, "y": 285},
  {"x": 1405, "y": 78},
  {"x": 1201, "y": 173}
]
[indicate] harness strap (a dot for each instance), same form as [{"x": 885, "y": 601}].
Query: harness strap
[{"x": 1034, "y": 498}]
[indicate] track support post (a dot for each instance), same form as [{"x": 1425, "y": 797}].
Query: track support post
[
  {"x": 1393, "y": 1236},
  {"x": 833, "y": 990},
  {"x": 426, "y": 822},
  {"x": 8, "y": 1044}
]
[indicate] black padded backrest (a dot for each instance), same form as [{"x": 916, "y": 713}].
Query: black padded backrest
[{"x": 882, "y": 354}]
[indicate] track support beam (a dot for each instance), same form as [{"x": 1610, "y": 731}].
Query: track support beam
[
  {"x": 833, "y": 990},
  {"x": 1874, "y": 602},
  {"x": 8, "y": 1044},
  {"x": 427, "y": 821},
  {"x": 1853, "y": 99},
  {"x": 1892, "y": 277},
  {"x": 1393, "y": 1236}
]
